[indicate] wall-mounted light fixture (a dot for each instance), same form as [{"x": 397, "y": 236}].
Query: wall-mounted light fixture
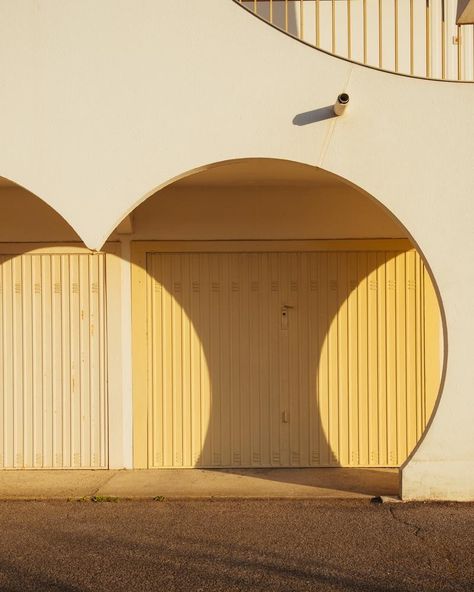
[{"x": 341, "y": 103}]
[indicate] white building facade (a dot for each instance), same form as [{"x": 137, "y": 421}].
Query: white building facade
[{"x": 202, "y": 265}]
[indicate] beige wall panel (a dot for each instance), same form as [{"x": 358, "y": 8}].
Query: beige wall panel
[
  {"x": 52, "y": 361},
  {"x": 286, "y": 358}
]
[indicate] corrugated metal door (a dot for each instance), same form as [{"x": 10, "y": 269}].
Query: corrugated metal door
[
  {"x": 52, "y": 361},
  {"x": 364, "y": 347},
  {"x": 289, "y": 359}
]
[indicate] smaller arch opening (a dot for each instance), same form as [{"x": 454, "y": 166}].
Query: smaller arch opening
[
  {"x": 52, "y": 339},
  {"x": 27, "y": 218}
]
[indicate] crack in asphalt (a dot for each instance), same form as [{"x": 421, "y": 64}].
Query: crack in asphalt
[
  {"x": 418, "y": 529},
  {"x": 440, "y": 548}
]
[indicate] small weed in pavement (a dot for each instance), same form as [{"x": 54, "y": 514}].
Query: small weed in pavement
[{"x": 103, "y": 498}]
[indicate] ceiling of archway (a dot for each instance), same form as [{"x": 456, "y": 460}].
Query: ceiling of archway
[{"x": 259, "y": 172}]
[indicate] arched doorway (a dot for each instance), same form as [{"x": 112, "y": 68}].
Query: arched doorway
[
  {"x": 281, "y": 318},
  {"x": 53, "y": 396}
]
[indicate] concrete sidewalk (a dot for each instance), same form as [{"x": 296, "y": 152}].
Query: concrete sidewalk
[{"x": 199, "y": 483}]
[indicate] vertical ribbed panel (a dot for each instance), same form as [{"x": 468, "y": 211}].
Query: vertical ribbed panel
[
  {"x": 378, "y": 323},
  {"x": 346, "y": 375},
  {"x": 52, "y": 361}
]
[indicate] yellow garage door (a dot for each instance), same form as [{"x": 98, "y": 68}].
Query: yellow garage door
[
  {"x": 284, "y": 358},
  {"x": 52, "y": 360}
]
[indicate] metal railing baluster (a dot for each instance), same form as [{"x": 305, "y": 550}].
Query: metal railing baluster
[{"x": 412, "y": 31}]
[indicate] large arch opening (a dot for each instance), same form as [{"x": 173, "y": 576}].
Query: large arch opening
[
  {"x": 281, "y": 318},
  {"x": 53, "y": 399}
]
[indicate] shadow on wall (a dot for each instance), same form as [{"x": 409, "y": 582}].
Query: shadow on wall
[
  {"x": 286, "y": 360},
  {"x": 314, "y": 116}
]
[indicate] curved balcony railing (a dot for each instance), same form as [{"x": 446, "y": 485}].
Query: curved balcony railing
[{"x": 413, "y": 37}]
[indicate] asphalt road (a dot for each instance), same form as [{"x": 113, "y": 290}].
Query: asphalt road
[{"x": 236, "y": 545}]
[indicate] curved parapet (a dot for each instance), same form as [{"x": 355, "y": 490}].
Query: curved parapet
[
  {"x": 424, "y": 38},
  {"x": 104, "y": 104}
]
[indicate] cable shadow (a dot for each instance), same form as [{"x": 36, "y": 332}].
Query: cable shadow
[{"x": 315, "y": 115}]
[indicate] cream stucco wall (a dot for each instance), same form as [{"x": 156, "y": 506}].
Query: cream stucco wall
[{"x": 103, "y": 103}]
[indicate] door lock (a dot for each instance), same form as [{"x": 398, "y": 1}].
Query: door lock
[{"x": 284, "y": 315}]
